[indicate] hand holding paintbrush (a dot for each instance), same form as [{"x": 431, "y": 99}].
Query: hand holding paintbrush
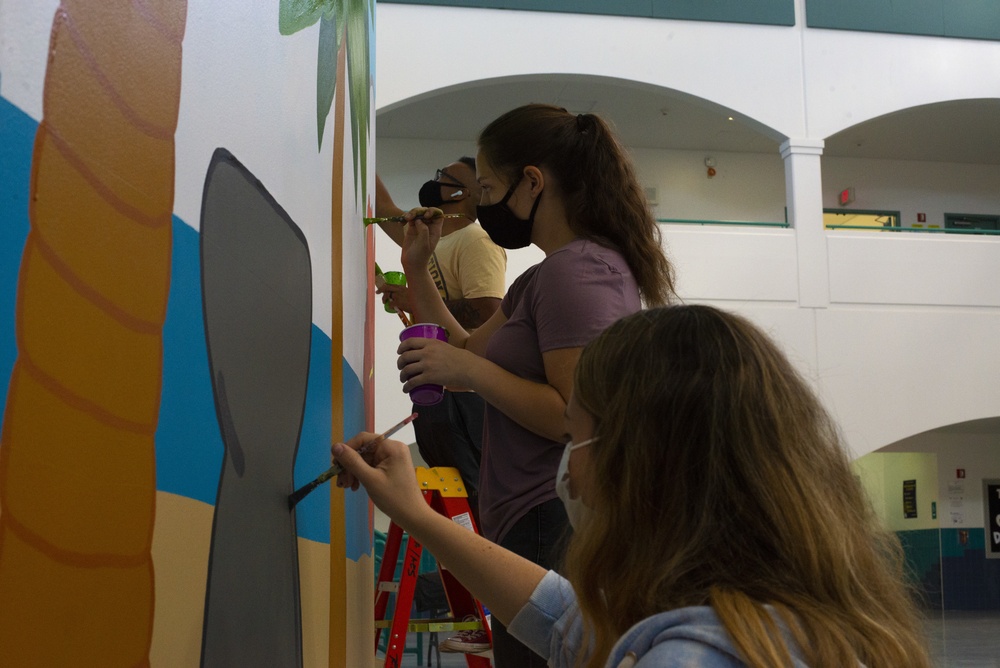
[
  {"x": 336, "y": 469},
  {"x": 381, "y": 282}
]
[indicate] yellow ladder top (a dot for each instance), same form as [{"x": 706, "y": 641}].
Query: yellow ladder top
[{"x": 446, "y": 480}]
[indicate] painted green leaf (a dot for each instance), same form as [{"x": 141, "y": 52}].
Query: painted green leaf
[
  {"x": 294, "y": 15},
  {"x": 326, "y": 74},
  {"x": 359, "y": 84},
  {"x": 352, "y": 20}
]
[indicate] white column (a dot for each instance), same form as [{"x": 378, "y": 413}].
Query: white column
[{"x": 804, "y": 198}]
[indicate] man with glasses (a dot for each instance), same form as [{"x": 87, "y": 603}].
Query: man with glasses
[{"x": 468, "y": 269}]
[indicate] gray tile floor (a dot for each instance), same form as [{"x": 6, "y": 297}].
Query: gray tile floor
[
  {"x": 957, "y": 639},
  {"x": 964, "y": 638}
]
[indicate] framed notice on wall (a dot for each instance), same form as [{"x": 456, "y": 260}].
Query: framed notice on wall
[
  {"x": 909, "y": 499},
  {"x": 991, "y": 503}
]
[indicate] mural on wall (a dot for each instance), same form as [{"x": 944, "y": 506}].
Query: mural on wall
[
  {"x": 142, "y": 457},
  {"x": 77, "y": 462}
]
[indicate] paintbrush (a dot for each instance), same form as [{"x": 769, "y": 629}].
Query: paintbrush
[
  {"x": 402, "y": 219},
  {"x": 336, "y": 469}
]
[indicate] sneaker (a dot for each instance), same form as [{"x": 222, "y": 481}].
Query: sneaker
[{"x": 472, "y": 641}]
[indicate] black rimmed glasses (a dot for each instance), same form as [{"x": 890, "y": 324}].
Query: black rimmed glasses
[{"x": 440, "y": 175}]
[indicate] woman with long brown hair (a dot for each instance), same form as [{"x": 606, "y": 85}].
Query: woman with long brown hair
[
  {"x": 717, "y": 519},
  {"x": 563, "y": 183}
]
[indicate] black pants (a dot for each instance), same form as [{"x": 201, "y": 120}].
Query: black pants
[
  {"x": 450, "y": 433},
  {"x": 539, "y": 536}
]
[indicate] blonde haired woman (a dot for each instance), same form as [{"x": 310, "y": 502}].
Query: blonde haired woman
[{"x": 717, "y": 520}]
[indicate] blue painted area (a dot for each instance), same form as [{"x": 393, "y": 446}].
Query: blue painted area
[
  {"x": 189, "y": 447},
  {"x": 358, "y": 539},
  {"x": 314, "y": 452},
  {"x": 17, "y": 136},
  {"x": 313, "y": 512}
]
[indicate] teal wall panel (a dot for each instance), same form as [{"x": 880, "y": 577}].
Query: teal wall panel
[
  {"x": 769, "y": 12},
  {"x": 915, "y": 17},
  {"x": 972, "y": 18},
  {"x": 952, "y": 546},
  {"x": 936, "y": 18},
  {"x": 922, "y": 550},
  {"x": 621, "y": 8}
]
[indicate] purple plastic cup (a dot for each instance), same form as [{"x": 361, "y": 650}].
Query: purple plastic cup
[{"x": 425, "y": 395}]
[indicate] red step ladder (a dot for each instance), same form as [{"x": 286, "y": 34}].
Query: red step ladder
[{"x": 444, "y": 491}]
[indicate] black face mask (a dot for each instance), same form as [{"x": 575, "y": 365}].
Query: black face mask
[
  {"x": 504, "y": 228},
  {"x": 430, "y": 194}
]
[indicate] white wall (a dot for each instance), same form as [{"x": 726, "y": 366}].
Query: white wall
[
  {"x": 746, "y": 187},
  {"x": 895, "y": 331},
  {"x": 798, "y": 81},
  {"x": 905, "y": 345}
]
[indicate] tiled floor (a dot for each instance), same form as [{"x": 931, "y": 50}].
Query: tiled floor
[
  {"x": 964, "y": 639},
  {"x": 957, "y": 639}
]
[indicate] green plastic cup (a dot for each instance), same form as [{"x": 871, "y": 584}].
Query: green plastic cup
[{"x": 393, "y": 278}]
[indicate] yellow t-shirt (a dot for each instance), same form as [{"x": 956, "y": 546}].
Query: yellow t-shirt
[{"x": 466, "y": 265}]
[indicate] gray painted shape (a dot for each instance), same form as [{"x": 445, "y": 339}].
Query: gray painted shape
[{"x": 257, "y": 301}]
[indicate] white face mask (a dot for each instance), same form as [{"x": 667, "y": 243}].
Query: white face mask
[{"x": 575, "y": 508}]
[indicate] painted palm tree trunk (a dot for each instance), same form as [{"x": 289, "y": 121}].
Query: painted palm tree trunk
[{"x": 77, "y": 456}]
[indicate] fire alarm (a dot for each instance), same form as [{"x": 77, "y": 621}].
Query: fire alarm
[
  {"x": 846, "y": 196},
  {"x": 711, "y": 172}
]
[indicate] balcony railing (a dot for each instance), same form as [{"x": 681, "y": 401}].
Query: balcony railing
[
  {"x": 741, "y": 223},
  {"x": 756, "y": 223},
  {"x": 932, "y": 230}
]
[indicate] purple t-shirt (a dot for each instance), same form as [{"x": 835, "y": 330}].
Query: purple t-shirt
[{"x": 565, "y": 301}]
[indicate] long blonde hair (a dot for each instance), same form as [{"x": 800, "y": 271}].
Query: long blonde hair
[{"x": 723, "y": 482}]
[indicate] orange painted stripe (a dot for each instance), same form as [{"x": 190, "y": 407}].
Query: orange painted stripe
[
  {"x": 338, "y": 525},
  {"x": 80, "y": 403},
  {"x": 46, "y": 131},
  {"x": 97, "y": 560},
  {"x": 137, "y": 121},
  {"x": 143, "y": 9},
  {"x": 115, "y": 312}
]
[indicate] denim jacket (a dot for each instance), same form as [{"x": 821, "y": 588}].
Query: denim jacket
[{"x": 551, "y": 625}]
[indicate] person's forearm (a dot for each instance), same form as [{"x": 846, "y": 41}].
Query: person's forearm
[
  {"x": 472, "y": 313},
  {"x": 500, "y": 579},
  {"x": 427, "y": 306},
  {"x": 385, "y": 207},
  {"x": 537, "y": 407}
]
